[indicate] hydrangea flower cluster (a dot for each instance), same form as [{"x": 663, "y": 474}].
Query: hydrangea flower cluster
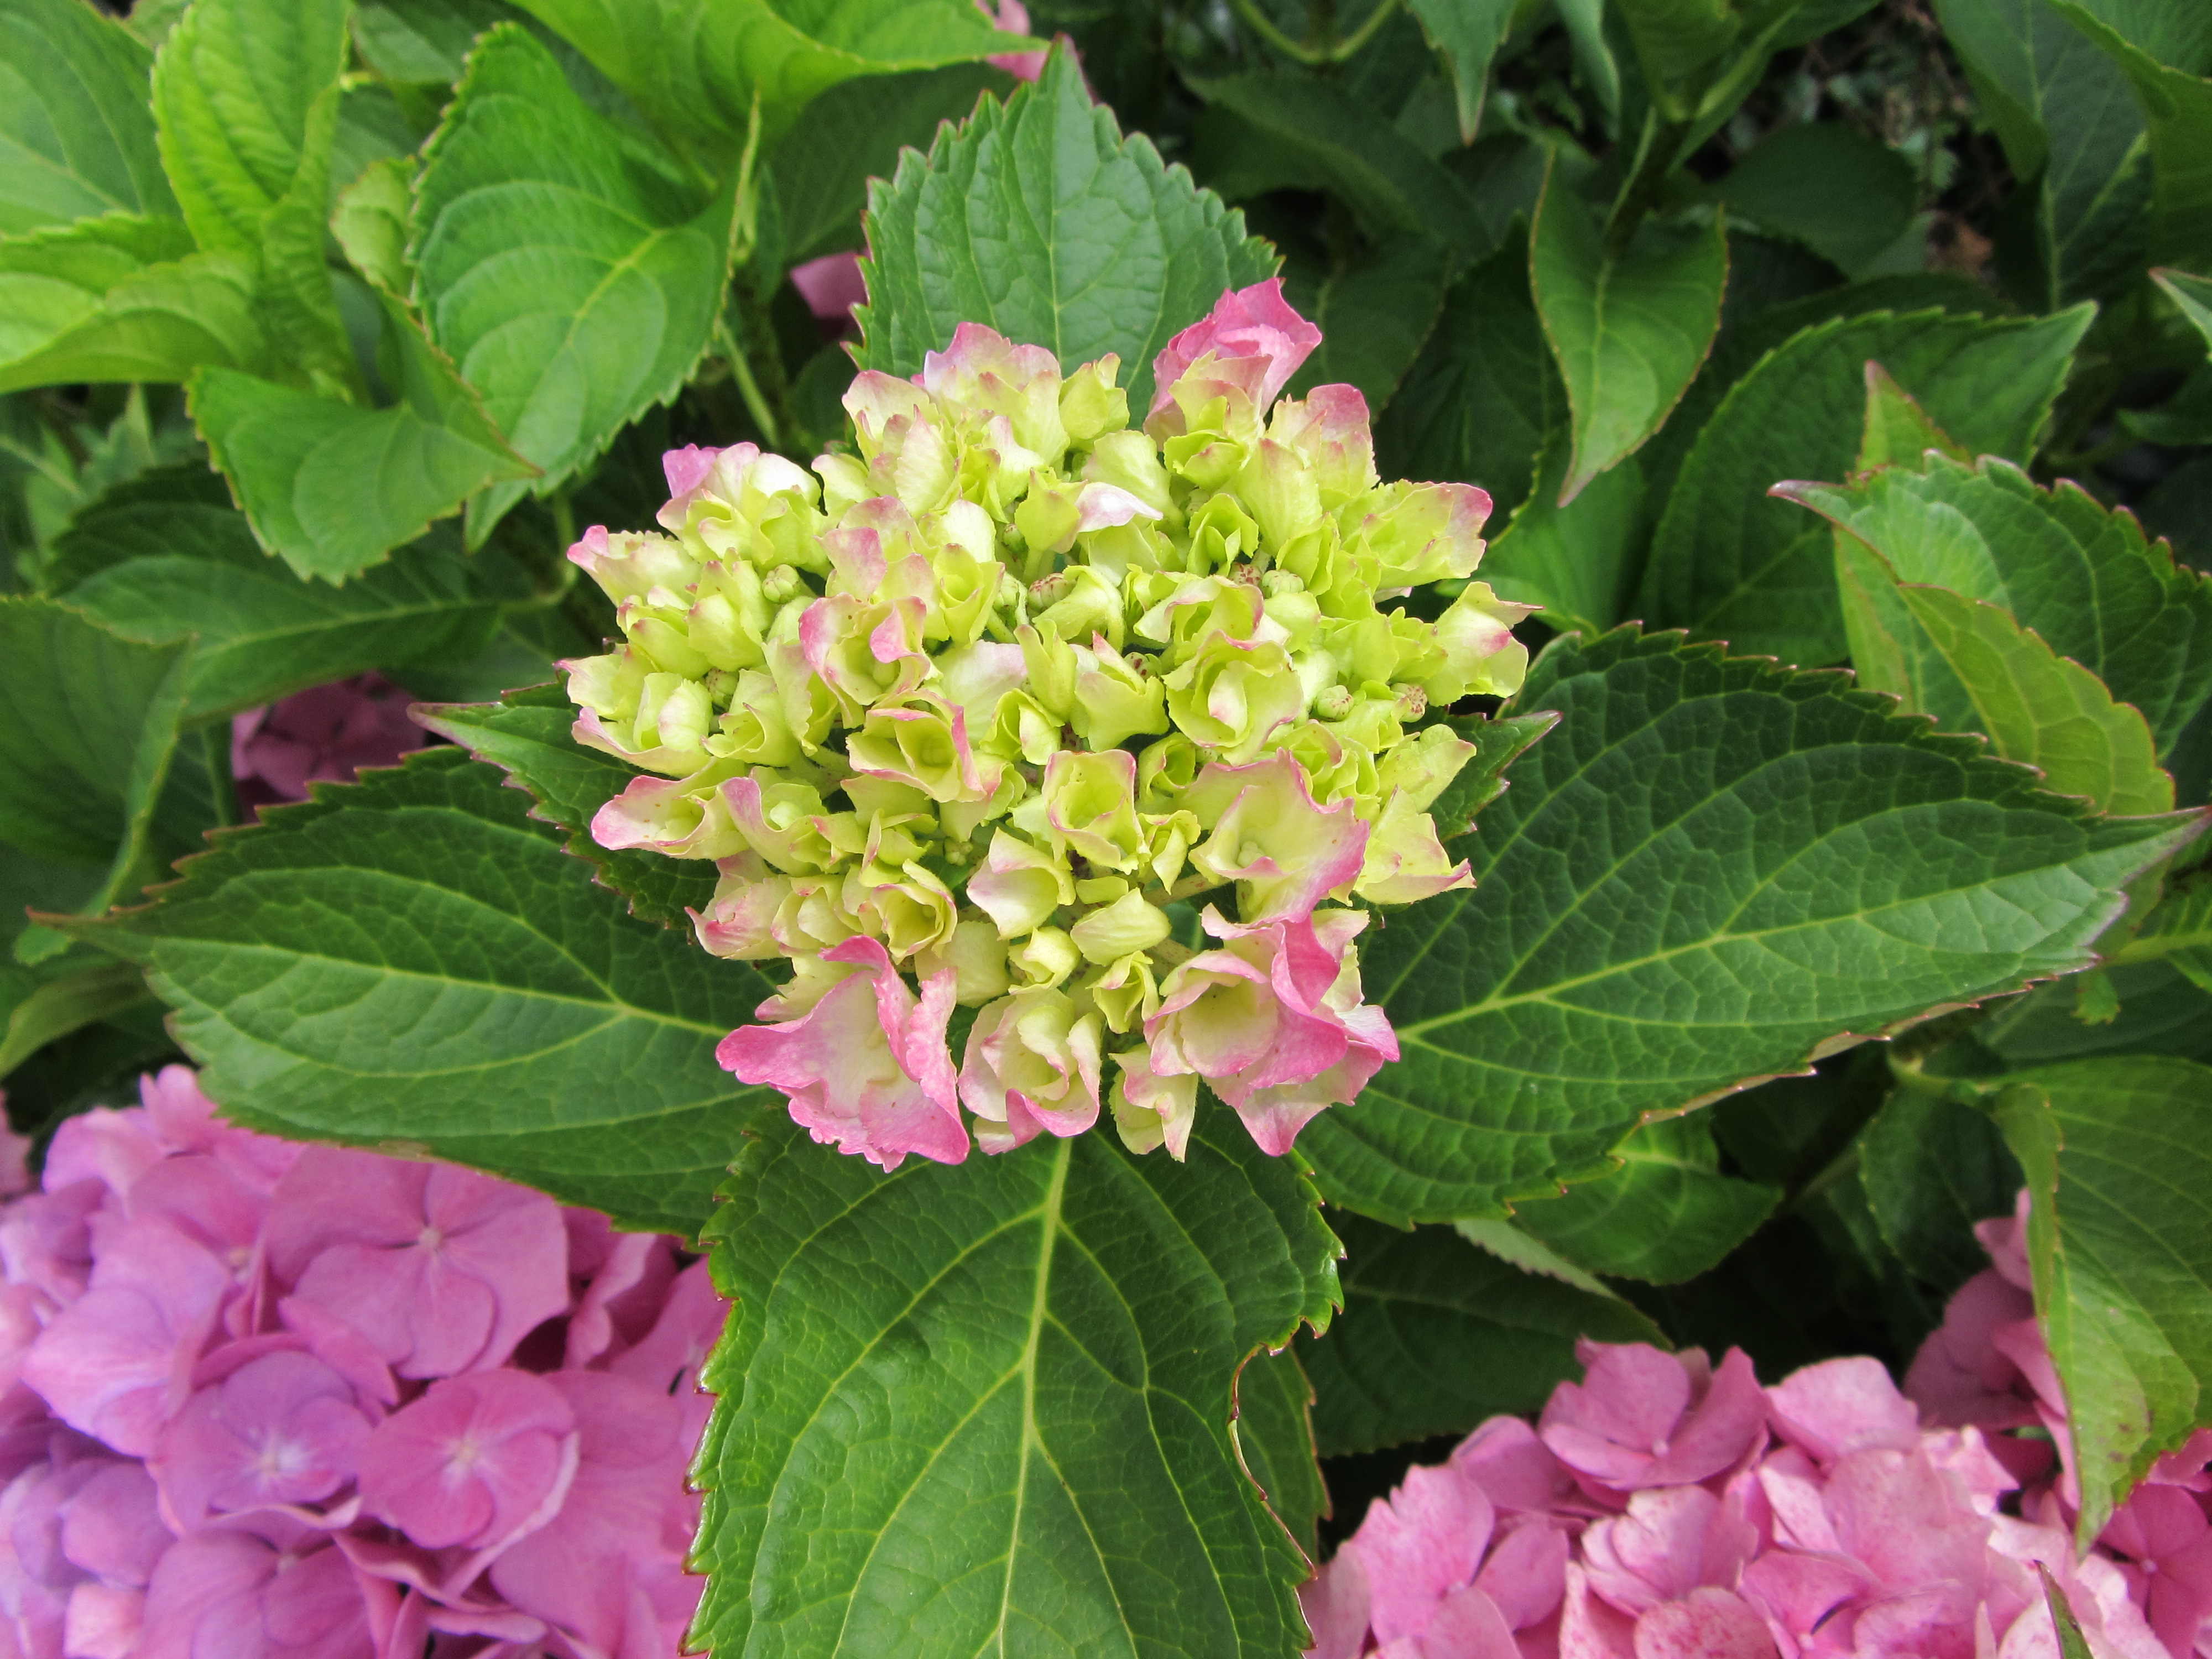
[
  {"x": 966, "y": 714},
  {"x": 1667, "y": 1509},
  {"x": 258, "y": 1399},
  {"x": 322, "y": 734}
]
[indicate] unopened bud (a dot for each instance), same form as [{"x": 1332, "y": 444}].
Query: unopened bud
[
  {"x": 1333, "y": 703},
  {"x": 1413, "y": 703},
  {"x": 1276, "y": 583},
  {"x": 781, "y": 584},
  {"x": 1047, "y": 591}
]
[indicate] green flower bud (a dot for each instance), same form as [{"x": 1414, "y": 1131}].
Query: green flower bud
[
  {"x": 754, "y": 730},
  {"x": 1124, "y": 991},
  {"x": 1020, "y": 884},
  {"x": 1417, "y": 532},
  {"x": 1164, "y": 770},
  {"x": 1045, "y": 958},
  {"x": 1089, "y": 806},
  {"x": 1090, "y": 405},
  {"x": 911, "y": 909},
  {"x": 1128, "y": 461},
  {"x": 1088, "y": 605},
  {"x": 1475, "y": 635},
  {"x": 1052, "y": 669},
  {"x": 1115, "y": 701},
  {"x": 1127, "y": 925},
  {"x": 1231, "y": 697},
  {"x": 977, "y": 958}
]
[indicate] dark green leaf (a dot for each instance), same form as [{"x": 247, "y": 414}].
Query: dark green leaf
[
  {"x": 697, "y": 66},
  {"x": 1498, "y": 741},
  {"x": 1712, "y": 871},
  {"x": 1629, "y": 330},
  {"x": 1467, "y": 32},
  {"x": 2178, "y": 108},
  {"x": 2180, "y": 930},
  {"x": 76, "y": 136},
  {"x": 1436, "y": 1335},
  {"x": 2083, "y": 578},
  {"x": 332, "y": 486},
  {"x": 413, "y": 961},
  {"x": 854, "y": 132},
  {"x": 1374, "y": 315},
  {"x": 2160, "y": 1013},
  {"x": 66, "y": 1003},
  {"x": 1932, "y": 1168},
  {"x": 1733, "y": 563},
  {"x": 526, "y": 735},
  {"x": 571, "y": 269},
  {"x": 1275, "y": 1439},
  {"x": 1479, "y": 403},
  {"x": 1278, "y": 127},
  {"x": 1849, "y": 198},
  {"x": 1038, "y": 218},
  {"x": 2119, "y": 1235},
  {"x": 92, "y": 722},
  {"x": 121, "y": 299},
  {"x": 167, "y": 556},
  {"x": 1579, "y": 562},
  {"x": 1666, "y": 1215},
  {"x": 2072, "y": 131},
  {"x": 1675, "y": 40},
  {"x": 975, "y": 1409},
  {"x": 2192, "y": 295}
]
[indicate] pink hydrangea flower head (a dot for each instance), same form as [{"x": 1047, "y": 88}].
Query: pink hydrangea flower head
[
  {"x": 867, "y": 1066},
  {"x": 1274, "y": 1020},
  {"x": 476, "y": 1463},
  {"x": 323, "y": 734},
  {"x": 1254, "y": 322},
  {"x": 1642, "y": 1417},
  {"x": 238, "y": 1596},
  {"x": 2005, "y": 1237},
  {"x": 1424, "y": 1541},
  {"x": 1844, "y": 1406},
  {"x": 832, "y": 286},
  {"x": 2163, "y": 1535}
]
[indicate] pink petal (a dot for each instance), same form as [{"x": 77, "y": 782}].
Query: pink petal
[
  {"x": 477, "y": 1461},
  {"x": 1707, "y": 1624},
  {"x": 1420, "y": 1544},
  {"x": 1844, "y": 1406},
  {"x": 1336, "y": 1603},
  {"x": 1526, "y": 1573}
]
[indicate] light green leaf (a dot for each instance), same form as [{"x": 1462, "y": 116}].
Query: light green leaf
[
  {"x": 332, "y": 487},
  {"x": 1468, "y": 33},
  {"x": 167, "y": 555},
  {"x": 1847, "y": 196},
  {"x": 1275, "y": 1442},
  {"x": 2193, "y": 294},
  {"x": 973, "y": 1410},
  {"x": 2178, "y": 107},
  {"x": 1578, "y": 562},
  {"x": 425, "y": 40},
  {"x": 570, "y": 269},
  {"x": 527, "y": 735},
  {"x": 1666, "y": 1215},
  {"x": 93, "y": 723},
  {"x": 1932, "y": 1168},
  {"x": 1436, "y": 1335},
  {"x": 68, "y": 1003},
  {"x": 76, "y": 137},
  {"x": 1897, "y": 430},
  {"x": 1712, "y": 871},
  {"x": 1484, "y": 395},
  {"x": 1629, "y": 330},
  {"x": 695, "y": 66},
  {"x": 2119, "y": 1238},
  {"x": 2178, "y": 931},
  {"x": 1374, "y": 315},
  {"x": 2083, "y": 578},
  {"x": 2180, "y": 37},
  {"x": 1729, "y": 562},
  {"x": 2073, "y": 135},
  {"x": 1037, "y": 218},
  {"x": 413, "y": 961},
  {"x": 854, "y": 132},
  {"x": 1274, "y": 127},
  {"x": 371, "y": 223},
  {"x": 118, "y": 298}
]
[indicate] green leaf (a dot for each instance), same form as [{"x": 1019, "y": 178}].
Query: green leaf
[
  {"x": 1675, "y": 40},
  {"x": 119, "y": 298},
  {"x": 1436, "y": 1335},
  {"x": 1932, "y": 1168},
  {"x": 1666, "y": 1215},
  {"x": 975, "y": 1409},
  {"x": 2073, "y": 135},
  {"x": 1374, "y": 315},
  {"x": 413, "y": 961},
  {"x": 1849, "y": 198},
  {"x": 1039, "y": 218},
  {"x": 370, "y": 223},
  {"x": 92, "y": 724},
  {"x": 697, "y": 66},
  {"x": 2193, "y": 294},
  {"x": 2178, "y": 931},
  {"x": 1731, "y": 562},
  {"x": 1484, "y": 395},
  {"x": 1274, "y": 127},
  {"x": 2120, "y": 1235},
  {"x": 1275, "y": 1440},
  {"x": 2160, "y": 1013},
  {"x": 425, "y": 40},
  {"x": 1468, "y": 33},
  {"x": 68, "y": 1003},
  {"x": 167, "y": 556},
  {"x": 1629, "y": 329},
  {"x": 332, "y": 487},
  {"x": 1713, "y": 871},
  {"x": 526, "y": 735},
  {"x": 2083, "y": 578},
  {"x": 2178, "y": 108},
  {"x": 570, "y": 269},
  {"x": 1578, "y": 562},
  {"x": 76, "y": 137},
  {"x": 1897, "y": 430}
]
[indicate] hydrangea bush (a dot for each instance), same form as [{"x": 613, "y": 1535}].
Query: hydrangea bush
[{"x": 1556, "y": 651}]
